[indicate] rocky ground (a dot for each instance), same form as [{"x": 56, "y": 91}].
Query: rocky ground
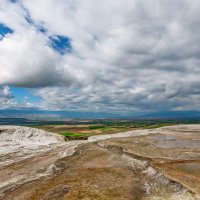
[{"x": 161, "y": 163}]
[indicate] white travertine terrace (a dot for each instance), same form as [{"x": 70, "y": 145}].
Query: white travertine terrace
[
  {"x": 36, "y": 153},
  {"x": 12, "y": 138}
]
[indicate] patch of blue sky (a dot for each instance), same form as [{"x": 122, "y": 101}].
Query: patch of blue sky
[
  {"x": 62, "y": 44},
  {"x": 21, "y": 93},
  {"x": 4, "y": 30}
]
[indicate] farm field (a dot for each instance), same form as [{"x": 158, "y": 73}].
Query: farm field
[{"x": 83, "y": 131}]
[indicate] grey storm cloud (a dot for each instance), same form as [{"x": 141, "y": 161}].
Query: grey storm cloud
[{"x": 125, "y": 56}]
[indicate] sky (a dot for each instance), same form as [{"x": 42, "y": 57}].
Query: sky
[{"x": 124, "y": 56}]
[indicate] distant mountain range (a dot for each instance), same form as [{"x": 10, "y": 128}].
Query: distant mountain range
[{"x": 64, "y": 115}]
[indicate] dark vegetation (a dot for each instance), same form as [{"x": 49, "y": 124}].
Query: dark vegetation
[{"x": 74, "y": 136}]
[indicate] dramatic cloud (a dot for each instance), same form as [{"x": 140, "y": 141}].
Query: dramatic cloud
[
  {"x": 6, "y": 97},
  {"x": 5, "y": 93},
  {"x": 103, "y": 55}
]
